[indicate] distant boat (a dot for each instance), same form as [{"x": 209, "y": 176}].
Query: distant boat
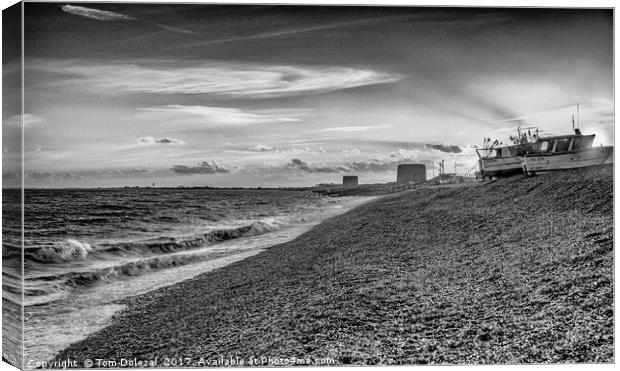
[
  {"x": 565, "y": 152},
  {"x": 496, "y": 160}
]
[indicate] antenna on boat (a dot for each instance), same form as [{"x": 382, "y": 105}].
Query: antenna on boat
[{"x": 578, "y": 123}]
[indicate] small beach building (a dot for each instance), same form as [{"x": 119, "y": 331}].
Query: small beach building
[{"x": 408, "y": 173}]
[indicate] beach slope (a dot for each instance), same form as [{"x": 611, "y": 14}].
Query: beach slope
[{"x": 517, "y": 270}]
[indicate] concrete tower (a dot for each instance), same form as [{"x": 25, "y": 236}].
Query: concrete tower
[
  {"x": 350, "y": 181},
  {"x": 411, "y": 173}
]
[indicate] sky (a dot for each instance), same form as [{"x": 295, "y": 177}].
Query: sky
[{"x": 231, "y": 95}]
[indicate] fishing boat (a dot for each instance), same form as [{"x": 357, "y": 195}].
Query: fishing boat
[
  {"x": 565, "y": 152},
  {"x": 497, "y": 160}
]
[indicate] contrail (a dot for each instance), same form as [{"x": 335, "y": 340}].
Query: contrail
[
  {"x": 104, "y": 15},
  {"x": 266, "y": 35},
  {"x": 168, "y": 28}
]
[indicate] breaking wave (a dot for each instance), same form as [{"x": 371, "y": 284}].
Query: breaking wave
[
  {"x": 170, "y": 244},
  {"x": 70, "y": 250},
  {"x": 127, "y": 270},
  {"x": 73, "y": 250},
  {"x": 84, "y": 248}
]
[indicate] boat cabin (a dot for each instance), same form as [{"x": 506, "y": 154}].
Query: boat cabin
[
  {"x": 564, "y": 143},
  {"x": 506, "y": 152}
]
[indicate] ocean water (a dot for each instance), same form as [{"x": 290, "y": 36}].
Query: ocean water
[{"x": 87, "y": 249}]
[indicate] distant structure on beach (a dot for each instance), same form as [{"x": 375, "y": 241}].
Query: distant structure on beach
[
  {"x": 350, "y": 181},
  {"x": 411, "y": 173}
]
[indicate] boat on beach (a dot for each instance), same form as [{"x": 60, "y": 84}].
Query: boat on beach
[
  {"x": 565, "y": 152},
  {"x": 530, "y": 153},
  {"x": 496, "y": 160}
]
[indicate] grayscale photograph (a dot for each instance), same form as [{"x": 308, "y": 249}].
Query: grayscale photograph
[{"x": 251, "y": 185}]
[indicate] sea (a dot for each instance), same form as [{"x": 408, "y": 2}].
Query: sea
[{"x": 86, "y": 249}]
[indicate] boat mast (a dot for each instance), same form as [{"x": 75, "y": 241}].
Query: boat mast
[{"x": 578, "y": 123}]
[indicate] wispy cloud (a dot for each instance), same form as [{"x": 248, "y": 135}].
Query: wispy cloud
[
  {"x": 222, "y": 115},
  {"x": 108, "y": 16},
  {"x": 28, "y": 120},
  {"x": 202, "y": 168},
  {"x": 153, "y": 140},
  {"x": 296, "y": 149},
  {"x": 350, "y": 129},
  {"x": 232, "y": 80},
  {"x": 80, "y": 175},
  {"x": 123, "y": 171}
]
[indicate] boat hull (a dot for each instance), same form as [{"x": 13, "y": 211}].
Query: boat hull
[
  {"x": 500, "y": 166},
  {"x": 563, "y": 161}
]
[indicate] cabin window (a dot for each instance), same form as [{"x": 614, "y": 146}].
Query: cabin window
[
  {"x": 584, "y": 142},
  {"x": 544, "y": 146},
  {"x": 562, "y": 145}
]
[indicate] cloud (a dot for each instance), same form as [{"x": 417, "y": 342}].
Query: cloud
[
  {"x": 202, "y": 168},
  {"x": 221, "y": 115},
  {"x": 28, "y": 119},
  {"x": 405, "y": 154},
  {"x": 77, "y": 175},
  {"x": 153, "y": 140},
  {"x": 264, "y": 148},
  {"x": 352, "y": 152},
  {"x": 129, "y": 171},
  {"x": 231, "y": 80},
  {"x": 350, "y": 129},
  {"x": 445, "y": 148},
  {"x": 295, "y": 149},
  {"x": 104, "y": 15},
  {"x": 100, "y": 15},
  {"x": 375, "y": 165},
  {"x": 45, "y": 175},
  {"x": 297, "y": 164}
]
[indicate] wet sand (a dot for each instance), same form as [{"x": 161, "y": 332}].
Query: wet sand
[{"x": 518, "y": 270}]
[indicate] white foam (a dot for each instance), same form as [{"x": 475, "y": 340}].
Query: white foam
[{"x": 69, "y": 251}]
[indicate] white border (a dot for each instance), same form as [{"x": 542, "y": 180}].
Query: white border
[{"x": 451, "y": 3}]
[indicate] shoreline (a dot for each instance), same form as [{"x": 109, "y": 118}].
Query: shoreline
[
  {"x": 88, "y": 309},
  {"x": 517, "y": 270}
]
